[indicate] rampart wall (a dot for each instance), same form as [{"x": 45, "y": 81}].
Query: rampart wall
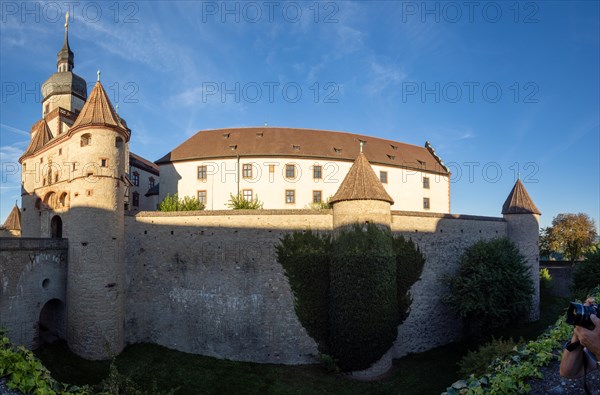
[
  {"x": 32, "y": 273},
  {"x": 209, "y": 283},
  {"x": 442, "y": 239}
]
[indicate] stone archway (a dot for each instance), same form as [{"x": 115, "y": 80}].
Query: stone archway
[
  {"x": 52, "y": 322},
  {"x": 56, "y": 227}
]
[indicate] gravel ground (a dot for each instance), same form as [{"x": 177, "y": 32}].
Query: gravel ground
[{"x": 553, "y": 384}]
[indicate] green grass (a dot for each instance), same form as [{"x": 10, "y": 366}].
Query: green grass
[{"x": 152, "y": 366}]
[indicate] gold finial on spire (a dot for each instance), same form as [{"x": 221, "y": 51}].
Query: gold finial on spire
[
  {"x": 361, "y": 145},
  {"x": 67, "y": 20},
  {"x": 98, "y": 73}
]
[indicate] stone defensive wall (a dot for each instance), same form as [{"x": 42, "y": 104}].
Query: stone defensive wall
[
  {"x": 209, "y": 282},
  {"x": 442, "y": 238},
  {"x": 32, "y": 288}
]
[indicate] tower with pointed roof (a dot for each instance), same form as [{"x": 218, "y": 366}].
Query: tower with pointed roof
[
  {"x": 361, "y": 198},
  {"x": 74, "y": 186},
  {"x": 522, "y": 228}
]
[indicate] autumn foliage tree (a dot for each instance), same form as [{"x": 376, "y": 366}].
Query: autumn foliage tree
[{"x": 569, "y": 234}]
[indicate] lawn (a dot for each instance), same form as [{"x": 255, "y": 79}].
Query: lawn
[{"x": 151, "y": 366}]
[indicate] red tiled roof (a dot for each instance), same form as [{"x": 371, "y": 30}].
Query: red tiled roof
[
  {"x": 13, "y": 221},
  {"x": 98, "y": 110},
  {"x": 361, "y": 183},
  {"x": 144, "y": 164},
  {"x": 41, "y": 134},
  {"x": 304, "y": 143},
  {"x": 519, "y": 201}
]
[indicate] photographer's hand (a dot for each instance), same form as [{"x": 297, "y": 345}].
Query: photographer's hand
[{"x": 590, "y": 338}]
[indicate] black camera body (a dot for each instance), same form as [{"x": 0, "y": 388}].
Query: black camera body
[{"x": 579, "y": 314}]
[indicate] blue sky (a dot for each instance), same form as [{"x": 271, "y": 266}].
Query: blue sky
[{"x": 494, "y": 86}]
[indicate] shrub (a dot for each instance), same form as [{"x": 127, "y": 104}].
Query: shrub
[
  {"x": 493, "y": 287},
  {"x": 239, "y": 202},
  {"x": 545, "y": 278},
  {"x": 25, "y": 373},
  {"x": 305, "y": 259},
  {"x": 347, "y": 290},
  {"x": 477, "y": 362},
  {"x": 363, "y": 307},
  {"x": 175, "y": 203},
  {"x": 587, "y": 273},
  {"x": 409, "y": 266}
]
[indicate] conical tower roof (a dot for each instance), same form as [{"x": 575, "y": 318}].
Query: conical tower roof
[
  {"x": 361, "y": 183},
  {"x": 98, "y": 111},
  {"x": 40, "y": 135},
  {"x": 13, "y": 221},
  {"x": 519, "y": 201}
]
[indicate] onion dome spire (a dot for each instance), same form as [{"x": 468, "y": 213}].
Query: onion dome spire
[{"x": 66, "y": 57}]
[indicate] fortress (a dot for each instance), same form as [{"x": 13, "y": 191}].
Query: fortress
[{"x": 95, "y": 266}]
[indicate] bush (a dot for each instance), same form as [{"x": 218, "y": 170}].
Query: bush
[
  {"x": 545, "y": 278},
  {"x": 25, "y": 373},
  {"x": 477, "y": 362},
  {"x": 174, "y": 203},
  {"x": 587, "y": 274},
  {"x": 305, "y": 259},
  {"x": 363, "y": 308},
  {"x": 351, "y": 292},
  {"x": 239, "y": 202},
  {"x": 409, "y": 266},
  {"x": 493, "y": 287}
]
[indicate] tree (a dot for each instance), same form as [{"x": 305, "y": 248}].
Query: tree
[
  {"x": 493, "y": 287},
  {"x": 570, "y": 235}
]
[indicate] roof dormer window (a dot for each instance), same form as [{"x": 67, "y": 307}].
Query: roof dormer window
[
  {"x": 394, "y": 147},
  {"x": 225, "y": 135},
  {"x": 391, "y": 157},
  {"x": 337, "y": 150},
  {"x": 296, "y": 147},
  {"x": 233, "y": 147}
]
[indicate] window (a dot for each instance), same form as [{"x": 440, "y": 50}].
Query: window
[
  {"x": 119, "y": 142},
  {"x": 202, "y": 197},
  {"x": 60, "y": 151},
  {"x": 247, "y": 194},
  {"x": 136, "y": 179},
  {"x": 290, "y": 196},
  {"x": 317, "y": 172},
  {"x": 86, "y": 139},
  {"x": 56, "y": 177},
  {"x": 426, "y": 203},
  {"x": 271, "y": 169},
  {"x": 426, "y": 182},
  {"x": 136, "y": 199},
  {"x": 103, "y": 162},
  {"x": 202, "y": 173},
  {"x": 151, "y": 182},
  {"x": 247, "y": 170},
  {"x": 317, "y": 197},
  {"x": 290, "y": 171},
  {"x": 47, "y": 110},
  {"x": 383, "y": 177},
  {"x": 42, "y": 160}
]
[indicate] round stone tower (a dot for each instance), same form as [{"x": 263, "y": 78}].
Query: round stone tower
[
  {"x": 361, "y": 198},
  {"x": 98, "y": 146},
  {"x": 523, "y": 226}
]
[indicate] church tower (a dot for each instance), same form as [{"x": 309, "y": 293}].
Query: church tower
[
  {"x": 73, "y": 186},
  {"x": 523, "y": 227}
]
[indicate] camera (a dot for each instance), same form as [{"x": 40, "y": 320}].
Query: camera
[{"x": 579, "y": 314}]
